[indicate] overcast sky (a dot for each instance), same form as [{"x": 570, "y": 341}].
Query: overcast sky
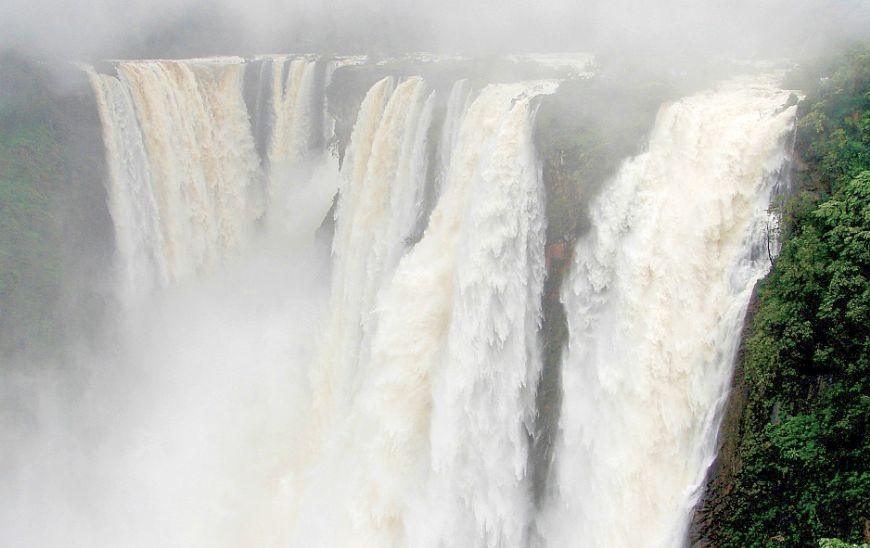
[{"x": 104, "y": 28}]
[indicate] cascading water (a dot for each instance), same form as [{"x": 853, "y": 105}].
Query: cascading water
[
  {"x": 446, "y": 392},
  {"x": 293, "y": 106},
  {"x": 186, "y": 183},
  {"x": 457, "y": 104},
  {"x": 132, "y": 202},
  {"x": 489, "y": 227},
  {"x": 175, "y": 428},
  {"x": 392, "y": 404},
  {"x": 185, "y": 175},
  {"x": 655, "y": 301},
  {"x": 290, "y": 112},
  {"x": 383, "y": 181}
]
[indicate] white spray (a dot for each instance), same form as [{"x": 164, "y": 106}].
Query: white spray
[{"x": 655, "y": 299}]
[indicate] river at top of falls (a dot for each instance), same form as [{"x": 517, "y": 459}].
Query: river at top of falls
[{"x": 256, "y": 396}]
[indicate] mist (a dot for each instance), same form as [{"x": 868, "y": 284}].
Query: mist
[
  {"x": 167, "y": 28},
  {"x": 177, "y": 424}
]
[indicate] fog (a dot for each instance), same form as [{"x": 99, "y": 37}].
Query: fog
[
  {"x": 135, "y": 28},
  {"x": 176, "y": 426}
]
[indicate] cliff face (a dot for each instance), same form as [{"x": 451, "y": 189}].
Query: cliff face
[
  {"x": 722, "y": 473},
  {"x": 56, "y": 235}
]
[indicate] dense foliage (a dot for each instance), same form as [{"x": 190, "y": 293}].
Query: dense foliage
[{"x": 802, "y": 463}]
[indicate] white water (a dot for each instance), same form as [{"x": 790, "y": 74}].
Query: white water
[
  {"x": 178, "y": 428},
  {"x": 457, "y": 104},
  {"x": 432, "y": 445},
  {"x": 293, "y": 103},
  {"x": 132, "y": 203},
  {"x": 185, "y": 175},
  {"x": 489, "y": 230},
  {"x": 300, "y": 120},
  {"x": 381, "y": 193},
  {"x": 655, "y": 301},
  {"x": 246, "y": 402}
]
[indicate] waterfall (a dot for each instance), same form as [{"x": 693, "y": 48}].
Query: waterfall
[
  {"x": 483, "y": 255},
  {"x": 293, "y": 107},
  {"x": 184, "y": 158},
  {"x": 435, "y": 440},
  {"x": 457, "y": 104},
  {"x": 300, "y": 122},
  {"x": 185, "y": 174},
  {"x": 132, "y": 203},
  {"x": 391, "y": 402},
  {"x": 383, "y": 180},
  {"x": 655, "y": 301}
]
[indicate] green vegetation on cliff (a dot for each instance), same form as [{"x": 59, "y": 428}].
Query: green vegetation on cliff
[
  {"x": 54, "y": 232},
  {"x": 30, "y": 163},
  {"x": 801, "y": 467}
]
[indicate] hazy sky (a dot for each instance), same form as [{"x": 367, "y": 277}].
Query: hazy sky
[{"x": 100, "y": 28}]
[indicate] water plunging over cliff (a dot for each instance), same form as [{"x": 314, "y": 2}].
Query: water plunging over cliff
[
  {"x": 655, "y": 303},
  {"x": 389, "y": 400}
]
